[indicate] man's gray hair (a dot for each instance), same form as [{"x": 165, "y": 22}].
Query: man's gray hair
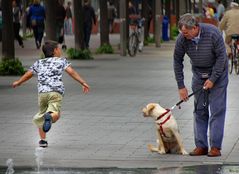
[{"x": 188, "y": 20}]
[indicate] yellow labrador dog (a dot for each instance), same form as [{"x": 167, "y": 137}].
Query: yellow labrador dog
[{"x": 169, "y": 139}]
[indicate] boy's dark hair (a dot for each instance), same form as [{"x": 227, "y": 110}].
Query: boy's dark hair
[{"x": 48, "y": 48}]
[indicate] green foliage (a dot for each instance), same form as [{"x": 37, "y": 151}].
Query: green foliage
[
  {"x": 105, "y": 48},
  {"x": 42, "y": 56},
  {"x": 11, "y": 67},
  {"x": 79, "y": 54},
  {"x": 174, "y": 31},
  {"x": 28, "y": 35},
  {"x": 149, "y": 40}
]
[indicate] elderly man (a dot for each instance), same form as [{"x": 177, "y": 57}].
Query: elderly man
[
  {"x": 230, "y": 24},
  {"x": 203, "y": 44}
]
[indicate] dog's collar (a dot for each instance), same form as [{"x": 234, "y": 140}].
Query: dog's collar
[{"x": 162, "y": 115}]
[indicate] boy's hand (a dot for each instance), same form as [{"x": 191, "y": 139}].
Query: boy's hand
[
  {"x": 85, "y": 87},
  {"x": 15, "y": 84},
  {"x": 24, "y": 78}
]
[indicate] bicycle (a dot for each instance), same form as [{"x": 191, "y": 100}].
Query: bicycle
[
  {"x": 234, "y": 58},
  {"x": 135, "y": 32}
]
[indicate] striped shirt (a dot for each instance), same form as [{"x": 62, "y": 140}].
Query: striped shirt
[{"x": 209, "y": 54}]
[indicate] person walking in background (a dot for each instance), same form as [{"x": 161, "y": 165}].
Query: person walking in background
[
  {"x": 16, "y": 22},
  {"x": 98, "y": 19},
  {"x": 68, "y": 20},
  {"x": 203, "y": 43},
  {"x": 111, "y": 15},
  {"x": 50, "y": 86},
  {"x": 37, "y": 16},
  {"x": 220, "y": 10},
  {"x": 60, "y": 18},
  {"x": 28, "y": 18},
  {"x": 230, "y": 24},
  {"x": 131, "y": 9},
  {"x": 89, "y": 18},
  {"x": 149, "y": 16}
]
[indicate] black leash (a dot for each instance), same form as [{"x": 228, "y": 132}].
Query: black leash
[{"x": 181, "y": 101}]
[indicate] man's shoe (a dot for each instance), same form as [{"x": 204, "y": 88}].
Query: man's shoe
[
  {"x": 214, "y": 152},
  {"x": 43, "y": 143},
  {"x": 198, "y": 151},
  {"x": 47, "y": 123}
]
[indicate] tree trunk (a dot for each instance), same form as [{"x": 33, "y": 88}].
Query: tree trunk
[
  {"x": 79, "y": 34},
  {"x": 158, "y": 23},
  {"x": 146, "y": 10},
  {"x": 177, "y": 10},
  {"x": 104, "y": 29},
  {"x": 168, "y": 14},
  {"x": 8, "y": 50},
  {"x": 124, "y": 27},
  {"x": 200, "y": 5},
  {"x": 24, "y": 17},
  {"x": 50, "y": 19}
]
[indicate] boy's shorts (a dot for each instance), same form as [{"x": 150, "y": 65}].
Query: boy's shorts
[{"x": 48, "y": 102}]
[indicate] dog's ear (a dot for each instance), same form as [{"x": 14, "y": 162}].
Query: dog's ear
[{"x": 150, "y": 108}]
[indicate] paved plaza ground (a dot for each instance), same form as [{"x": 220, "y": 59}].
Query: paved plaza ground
[{"x": 106, "y": 128}]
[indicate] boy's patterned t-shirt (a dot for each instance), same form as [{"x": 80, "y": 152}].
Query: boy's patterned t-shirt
[{"x": 49, "y": 72}]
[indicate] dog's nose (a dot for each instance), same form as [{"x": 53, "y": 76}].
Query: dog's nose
[{"x": 144, "y": 113}]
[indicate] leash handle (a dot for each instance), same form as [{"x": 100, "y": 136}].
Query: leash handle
[{"x": 181, "y": 101}]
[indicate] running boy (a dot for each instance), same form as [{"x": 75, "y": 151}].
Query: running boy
[{"x": 50, "y": 86}]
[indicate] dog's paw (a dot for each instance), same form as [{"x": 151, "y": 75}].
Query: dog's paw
[
  {"x": 150, "y": 147},
  {"x": 161, "y": 151},
  {"x": 184, "y": 152}
]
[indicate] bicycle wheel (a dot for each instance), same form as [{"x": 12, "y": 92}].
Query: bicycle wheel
[
  {"x": 236, "y": 63},
  {"x": 133, "y": 44},
  {"x": 231, "y": 60},
  {"x": 235, "y": 59},
  {"x": 230, "y": 64}
]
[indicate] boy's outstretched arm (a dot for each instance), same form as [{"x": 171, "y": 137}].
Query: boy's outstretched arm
[
  {"x": 24, "y": 78},
  {"x": 78, "y": 78}
]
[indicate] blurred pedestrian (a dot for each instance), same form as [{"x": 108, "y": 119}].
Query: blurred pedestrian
[
  {"x": 111, "y": 15},
  {"x": 148, "y": 16},
  {"x": 37, "y": 16},
  {"x": 203, "y": 44},
  {"x": 230, "y": 24},
  {"x": 68, "y": 19},
  {"x": 16, "y": 22},
  {"x": 131, "y": 9},
  {"x": 28, "y": 19},
  {"x": 60, "y": 18},
  {"x": 89, "y": 18},
  {"x": 220, "y": 10}
]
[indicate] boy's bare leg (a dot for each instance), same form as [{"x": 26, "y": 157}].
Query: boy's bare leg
[
  {"x": 55, "y": 116},
  {"x": 42, "y": 134}
]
